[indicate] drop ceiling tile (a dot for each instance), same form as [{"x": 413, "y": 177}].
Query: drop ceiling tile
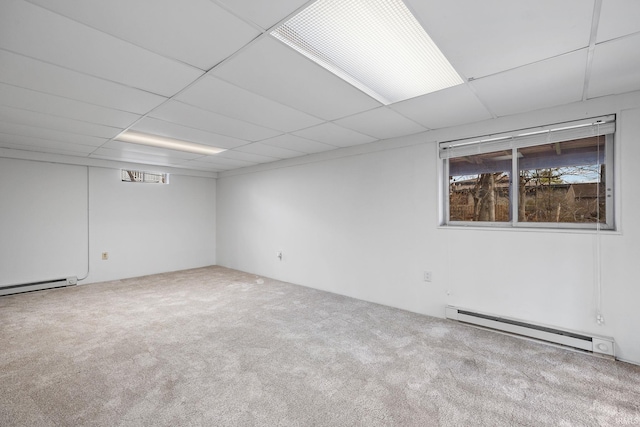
[
  {"x": 618, "y": 18},
  {"x": 34, "y": 144},
  {"x": 197, "y": 32},
  {"x": 187, "y": 115},
  {"x": 269, "y": 150},
  {"x": 224, "y": 98},
  {"x": 264, "y": 13},
  {"x": 296, "y": 143},
  {"x": 30, "y": 118},
  {"x": 38, "y": 33},
  {"x": 333, "y": 134},
  {"x": 381, "y": 123},
  {"x": 26, "y": 99},
  {"x": 248, "y": 157},
  {"x": 225, "y": 162},
  {"x": 480, "y": 38},
  {"x": 145, "y": 149},
  {"x": 615, "y": 67},
  {"x": 41, "y": 149},
  {"x": 176, "y": 131},
  {"x": 544, "y": 84},
  {"x": 130, "y": 156},
  {"x": 275, "y": 71},
  {"x": 202, "y": 166},
  {"x": 48, "y": 134},
  {"x": 36, "y": 75},
  {"x": 448, "y": 107}
]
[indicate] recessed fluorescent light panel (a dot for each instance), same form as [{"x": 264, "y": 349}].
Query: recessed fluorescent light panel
[
  {"x": 169, "y": 143},
  {"x": 376, "y": 45}
]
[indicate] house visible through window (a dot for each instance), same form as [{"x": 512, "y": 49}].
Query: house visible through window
[
  {"x": 559, "y": 176},
  {"x": 146, "y": 177}
]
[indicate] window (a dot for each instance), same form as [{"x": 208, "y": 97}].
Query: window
[
  {"x": 558, "y": 176},
  {"x": 147, "y": 177}
]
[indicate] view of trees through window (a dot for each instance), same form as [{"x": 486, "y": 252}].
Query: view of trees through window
[{"x": 562, "y": 182}]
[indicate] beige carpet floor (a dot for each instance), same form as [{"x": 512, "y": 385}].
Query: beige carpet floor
[{"x": 218, "y": 347}]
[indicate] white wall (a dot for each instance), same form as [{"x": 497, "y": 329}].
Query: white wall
[
  {"x": 43, "y": 221},
  {"x": 146, "y": 228},
  {"x": 366, "y": 225}
]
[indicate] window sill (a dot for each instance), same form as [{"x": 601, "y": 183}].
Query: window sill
[{"x": 529, "y": 229}]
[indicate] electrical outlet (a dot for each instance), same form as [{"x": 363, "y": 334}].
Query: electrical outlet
[
  {"x": 105, "y": 256},
  {"x": 279, "y": 255},
  {"x": 427, "y": 276}
]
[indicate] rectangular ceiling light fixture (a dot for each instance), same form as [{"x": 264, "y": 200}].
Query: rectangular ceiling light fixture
[
  {"x": 169, "y": 143},
  {"x": 377, "y": 46}
]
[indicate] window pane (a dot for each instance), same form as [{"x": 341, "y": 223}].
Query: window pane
[
  {"x": 563, "y": 182},
  {"x": 479, "y": 187}
]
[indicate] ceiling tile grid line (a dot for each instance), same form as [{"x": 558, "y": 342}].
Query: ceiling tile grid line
[
  {"x": 82, "y": 71},
  {"x": 45, "y": 4},
  {"x": 597, "y": 8},
  {"x": 63, "y": 67},
  {"x": 51, "y": 105},
  {"x": 42, "y": 34},
  {"x": 58, "y": 100}
]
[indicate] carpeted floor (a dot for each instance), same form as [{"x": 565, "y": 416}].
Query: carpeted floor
[{"x": 218, "y": 347}]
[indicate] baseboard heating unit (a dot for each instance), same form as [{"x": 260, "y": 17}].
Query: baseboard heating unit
[
  {"x": 595, "y": 344},
  {"x": 37, "y": 286}
]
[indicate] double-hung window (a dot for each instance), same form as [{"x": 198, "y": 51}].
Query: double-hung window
[{"x": 558, "y": 176}]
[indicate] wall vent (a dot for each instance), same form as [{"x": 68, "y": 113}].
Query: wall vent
[
  {"x": 38, "y": 286},
  {"x": 582, "y": 341}
]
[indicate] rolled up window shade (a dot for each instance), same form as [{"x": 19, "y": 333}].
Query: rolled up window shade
[{"x": 529, "y": 137}]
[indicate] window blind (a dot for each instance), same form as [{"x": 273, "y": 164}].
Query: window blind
[{"x": 529, "y": 137}]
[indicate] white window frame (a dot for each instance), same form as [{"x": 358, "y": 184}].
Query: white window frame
[{"x": 560, "y": 132}]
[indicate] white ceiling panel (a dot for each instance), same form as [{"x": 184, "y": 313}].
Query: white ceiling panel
[
  {"x": 28, "y": 73},
  {"x": 30, "y": 118},
  {"x": 381, "y": 123},
  {"x": 618, "y": 18},
  {"x": 178, "y": 112},
  {"x": 26, "y": 99},
  {"x": 224, "y": 161},
  {"x": 27, "y": 142},
  {"x": 38, "y": 33},
  {"x": 553, "y": 82},
  {"x": 154, "y": 24},
  {"x": 333, "y": 134},
  {"x": 48, "y": 134},
  {"x": 296, "y": 143},
  {"x": 616, "y": 67},
  {"x": 138, "y": 148},
  {"x": 131, "y": 156},
  {"x": 223, "y": 98},
  {"x": 277, "y": 72},
  {"x": 264, "y": 13},
  {"x": 480, "y": 38},
  {"x": 269, "y": 150},
  {"x": 247, "y": 157},
  {"x": 202, "y": 166},
  {"x": 172, "y": 130},
  {"x": 448, "y": 107},
  {"x": 43, "y": 149}
]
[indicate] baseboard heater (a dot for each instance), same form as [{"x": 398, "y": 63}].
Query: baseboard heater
[
  {"x": 595, "y": 344},
  {"x": 37, "y": 286}
]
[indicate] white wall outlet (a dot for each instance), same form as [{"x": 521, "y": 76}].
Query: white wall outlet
[
  {"x": 279, "y": 255},
  {"x": 427, "y": 276},
  {"x": 105, "y": 256}
]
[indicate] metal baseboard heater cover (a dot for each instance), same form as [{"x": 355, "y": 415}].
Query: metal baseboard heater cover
[
  {"x": 595, "y": 344},
  {"x": 38, "y": 286}
]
